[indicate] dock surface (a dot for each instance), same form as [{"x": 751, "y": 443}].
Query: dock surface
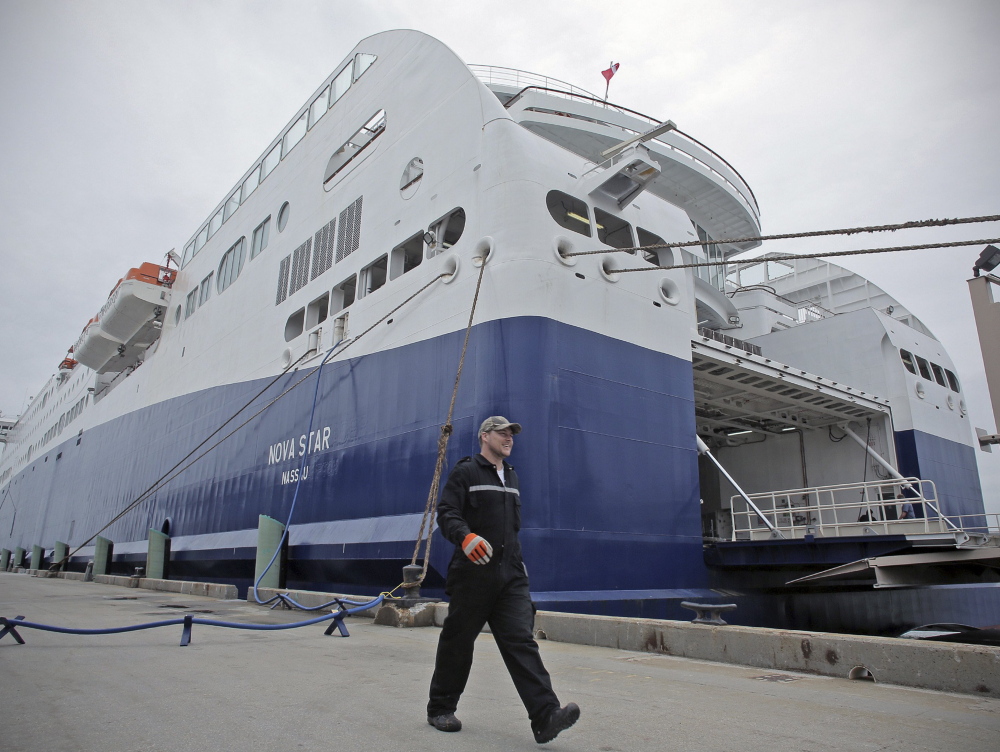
[{"x": 300, "y": 690}]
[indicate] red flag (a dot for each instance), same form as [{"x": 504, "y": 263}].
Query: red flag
[{"x": 610, "y": 72}]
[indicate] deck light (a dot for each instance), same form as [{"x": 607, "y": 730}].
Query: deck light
[{"x": 988, "y": 260}]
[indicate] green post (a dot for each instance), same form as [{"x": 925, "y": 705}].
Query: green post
[
  {"x": 158, "y": 555},
  {"x": 60, "y": 553},
  {"x": 18, "y": 557},
  {"x": 37, "y": 552},
  {"x": 269, "y": 532},
  {"x": 103, "y": 551},
  {"x": 4, "y": 559}
]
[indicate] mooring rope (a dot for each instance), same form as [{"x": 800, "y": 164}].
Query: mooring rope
[
  {"x": 922, "y": 223},
  {"x": 793, "y": 256},
  {"x": 430, "y": 509}
]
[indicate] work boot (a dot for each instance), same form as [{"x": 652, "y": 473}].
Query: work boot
[
  {"x": 559, "y": 719},
  {"x": 449, "y": 722}
]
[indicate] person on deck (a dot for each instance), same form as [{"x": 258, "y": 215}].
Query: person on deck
[{"x": 487, "y": 583}]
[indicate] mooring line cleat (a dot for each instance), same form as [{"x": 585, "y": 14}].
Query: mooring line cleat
[
  {"x": 447, "y": 722},
  {"x": 559, "y": 720}
]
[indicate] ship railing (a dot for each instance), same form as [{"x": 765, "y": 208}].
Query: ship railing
[
  {"x": 497, "y": 74},
  {"x": 848, "y": 509},
  {"x": 688, "y": 148}
]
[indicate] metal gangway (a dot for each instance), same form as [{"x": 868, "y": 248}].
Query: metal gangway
[{"x": 853, "y": 509}]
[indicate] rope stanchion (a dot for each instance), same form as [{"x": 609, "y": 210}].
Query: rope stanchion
[{"x": 10, "y": 626}]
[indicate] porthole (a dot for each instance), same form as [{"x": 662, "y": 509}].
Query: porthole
[
  {"x": 409, "y": 181},
  {"x": 283, "y": 216}
]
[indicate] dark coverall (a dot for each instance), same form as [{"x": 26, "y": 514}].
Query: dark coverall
[{"x": 475, "y": 501}]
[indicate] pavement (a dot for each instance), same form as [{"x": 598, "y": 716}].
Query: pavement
[{"x": 300, "y": 690}]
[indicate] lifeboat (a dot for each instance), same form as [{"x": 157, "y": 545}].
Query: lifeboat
[
  {"x": 94, "y": 348},
  {"x": 68, "y": 364},
  {"x": 139, "y": 297},
  {"x": 129, "y": 322}
]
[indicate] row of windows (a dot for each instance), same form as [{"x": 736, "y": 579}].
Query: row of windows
[
  {"x": 405, "y": 257},
  {"x": 573, "y": 214},
  {"x": 942, "y": 376},
  {"x": 231, "y": 264},
  {"x": 295, "y": 133}
]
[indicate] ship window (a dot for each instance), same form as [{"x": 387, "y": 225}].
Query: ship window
[
  {"x": 206, "y": 290},
  {"x": 270, "y": 161},
  {"x": 340, "y": 85},
  {"x": 908, "y": 361},
  {"x": 177, "y": 315},
  {"x": 938, "y": 374},
  {"x": 658, "y": 256},
  {"x": 354, "y": 146},
  {"x": 232, "y": 204},
  {"x": 188, "y": 253},
  {"x": 952, "y": 380},
  {"x": 362, "y": 62},
  {"x": 192, "y": 303},
  {"x": 231, "y": 264},
  {"x": 294, "y": 135},
  {"x": 215, "y": 224},
  {"x": 446, "y": 232},
  {"x": 316, "y": 312},
  {"x": 343, "y": 294},
  {"x": 295, "y": 324},
  {"x": 319, "y": 107},
  {"x": 260, "y": 238},
  {"x": 250, "y": 184},
  {"x": 924, "y": 367},
  {"x": 283, "y": 216},
  {"x": 406, "y": 256},
  {"x": 612, "y": 230},
  {"x": 569, "y": 212},
  {"x": 200, "y": 241},
  {"x": 409, "y": 181},
  {"x": 373, "y": 276}
]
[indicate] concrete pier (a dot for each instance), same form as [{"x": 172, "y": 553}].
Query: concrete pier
[{"x": 243, "y": 690}]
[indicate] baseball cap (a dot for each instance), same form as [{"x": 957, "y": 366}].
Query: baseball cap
[{"x": 498, "y": 423}]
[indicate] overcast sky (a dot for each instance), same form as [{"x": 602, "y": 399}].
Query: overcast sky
[{"x": 124, "y": 123}]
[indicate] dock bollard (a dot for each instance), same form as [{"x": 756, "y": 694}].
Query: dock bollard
[
  {"x": 60, "y": 553},
  {"x": 4, "y": 559},
  {"x": 88, "y": 574},
  {"x": 37, "y": 552},
  {"x": 269, "y": 535},
  {"x": 411, "y": 580},
  {"x": 708, "y": 613},
  {"x": 103, "y": 551},
  {"x": 158, "y": 555}
]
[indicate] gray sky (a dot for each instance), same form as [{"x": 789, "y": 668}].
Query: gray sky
[{"x": 123, "y": 124}]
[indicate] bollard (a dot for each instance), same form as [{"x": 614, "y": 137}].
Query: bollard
[
  {"x": 708, "y": 613},
  {"x": 103, "y": 551},
  {"x": 269, "y": 535},
  {"x": 18, "y": 558},
  {"x": 411, "y": 580},
  {"x": 37, "y": 552},
  {"x": 88, "y": 574},
  {"x": 4, "y": 559},
  {"x": 158, "y": 555},
  {"x": 60, "y": 553}
]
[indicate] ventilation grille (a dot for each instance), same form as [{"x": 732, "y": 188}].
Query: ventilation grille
[
  {"x": 300, "y": 267},
  {"x": 323, "y": 245},
  {"x": 283, "y": 280},
  {"x": 349, "y": 233}
]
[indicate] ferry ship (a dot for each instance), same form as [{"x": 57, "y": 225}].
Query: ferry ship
[{"x": 714, "y": 432}]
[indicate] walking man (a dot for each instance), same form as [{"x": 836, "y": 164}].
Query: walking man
[{"x": 480, "y": 512}]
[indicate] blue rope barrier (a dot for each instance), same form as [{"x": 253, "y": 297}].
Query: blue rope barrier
[{"x": 10, "y": 626}]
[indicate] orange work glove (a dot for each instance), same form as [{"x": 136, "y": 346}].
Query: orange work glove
[{"x": 477, "y": 548}]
